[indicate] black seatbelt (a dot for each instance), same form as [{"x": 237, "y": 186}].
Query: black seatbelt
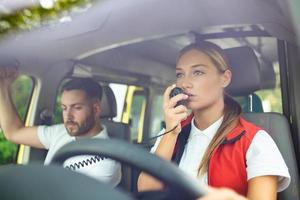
[{"x": 180, "y": 143}]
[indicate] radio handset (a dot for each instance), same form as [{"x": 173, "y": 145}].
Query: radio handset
[{"x": 175, "y": 91}]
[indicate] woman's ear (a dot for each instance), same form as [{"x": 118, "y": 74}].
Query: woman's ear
[{"x": 226, "y": 78}]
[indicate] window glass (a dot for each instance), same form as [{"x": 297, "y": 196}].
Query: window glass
[
  {"x": 268, "y": 99},
  {"x": 157, "y": 116},
  {"x": 58, "y": 110},
  {"x": 28, "y": 15},
  {"x": 271, "y": 98},
  {"x": 21, "y": 94},
  {"x": 136, "y": 114}
]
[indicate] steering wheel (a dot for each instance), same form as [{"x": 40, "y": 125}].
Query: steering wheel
[
  {"x": 36, "y": 182},
  {"x": 137, "y": 157}
]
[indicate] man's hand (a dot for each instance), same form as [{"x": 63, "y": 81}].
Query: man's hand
[
  {"x": 222, "y": 194},
  {"x": 12, "y": 126}
]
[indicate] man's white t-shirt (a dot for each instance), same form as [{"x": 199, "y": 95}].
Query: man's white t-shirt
[
  {"x": 262, "y": 158},
  {"x": 102, "y": 169}
]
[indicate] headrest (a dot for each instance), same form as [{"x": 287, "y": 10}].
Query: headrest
[
  {"x": 268, "y": 76},
  {"x": 245, "y": 69},
  {"x": 108, "y": 103}
]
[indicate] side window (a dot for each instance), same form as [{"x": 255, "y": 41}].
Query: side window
[
  {"x": 157, "y": 115},
  {"x": 134, "y": 111},
  {"x": 137, "y": 115},
  {"x": 271, "y": 96},
  {"x": 268, "y": 98},
  {"x": 57, "y": 110},
  {"x": 21, "y": 94}
]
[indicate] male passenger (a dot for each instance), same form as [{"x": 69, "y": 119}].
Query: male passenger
[{"x": 80, "y": 102}]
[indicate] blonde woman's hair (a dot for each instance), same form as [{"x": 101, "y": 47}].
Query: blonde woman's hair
[{"x": 232, "y": 109}]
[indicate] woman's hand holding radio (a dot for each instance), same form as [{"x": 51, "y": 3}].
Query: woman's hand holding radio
[{"x": 174, "y": 108}]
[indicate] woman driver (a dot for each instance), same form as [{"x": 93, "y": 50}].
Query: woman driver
[{"x": 219, "y": 147}]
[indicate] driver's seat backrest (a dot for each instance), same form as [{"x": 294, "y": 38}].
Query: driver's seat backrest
[
  {"x": 278, "y": 127},
  {"x": 116, "y": 130},
  {"x": 247, "y": 80}
]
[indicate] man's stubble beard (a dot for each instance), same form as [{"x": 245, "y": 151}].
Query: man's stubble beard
[{"x": 83, "y": 129}]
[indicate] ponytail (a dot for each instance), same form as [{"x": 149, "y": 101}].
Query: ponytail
[{"x": 232, "y": 111}]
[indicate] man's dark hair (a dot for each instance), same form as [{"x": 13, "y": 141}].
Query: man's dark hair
[{"x": 92, "y": 88}]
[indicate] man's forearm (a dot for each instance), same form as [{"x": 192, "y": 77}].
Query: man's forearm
[{"x": 9, "y": 119}]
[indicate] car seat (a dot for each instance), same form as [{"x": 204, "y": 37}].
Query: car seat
[
  {"x": 116, "y": 130},
  {"x": 247, "y": 80}
]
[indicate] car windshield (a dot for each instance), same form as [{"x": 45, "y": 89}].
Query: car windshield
[
  {"x": 16, "y": 16},
  {"x": 132, "y": 48}
]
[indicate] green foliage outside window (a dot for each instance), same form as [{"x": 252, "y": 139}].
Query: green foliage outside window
[
  {"x": 58, "y": 111},
  {"x": 22, "y": 88},
  {"x": 21, "y": 93},
  {"x": 37, "y": 16},
  {"x": 271, "y": 98}
]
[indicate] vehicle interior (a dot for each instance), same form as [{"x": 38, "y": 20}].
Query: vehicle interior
[{"x": 131, "y": 47}]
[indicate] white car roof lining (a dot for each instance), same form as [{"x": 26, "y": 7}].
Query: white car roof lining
[{"x": 110, "y": 24}]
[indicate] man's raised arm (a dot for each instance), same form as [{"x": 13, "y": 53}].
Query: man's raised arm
[{"x": 10, "y": 122}]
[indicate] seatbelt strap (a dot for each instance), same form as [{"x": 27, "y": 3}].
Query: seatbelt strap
[{"x": 180, "y": 143}]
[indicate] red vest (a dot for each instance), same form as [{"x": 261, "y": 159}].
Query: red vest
[{"x": 227, "y": 166}]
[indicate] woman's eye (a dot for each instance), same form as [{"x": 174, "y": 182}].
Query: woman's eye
[
  {"x": 198, "y": 73},
  {"x": 179, "y": 75}
]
